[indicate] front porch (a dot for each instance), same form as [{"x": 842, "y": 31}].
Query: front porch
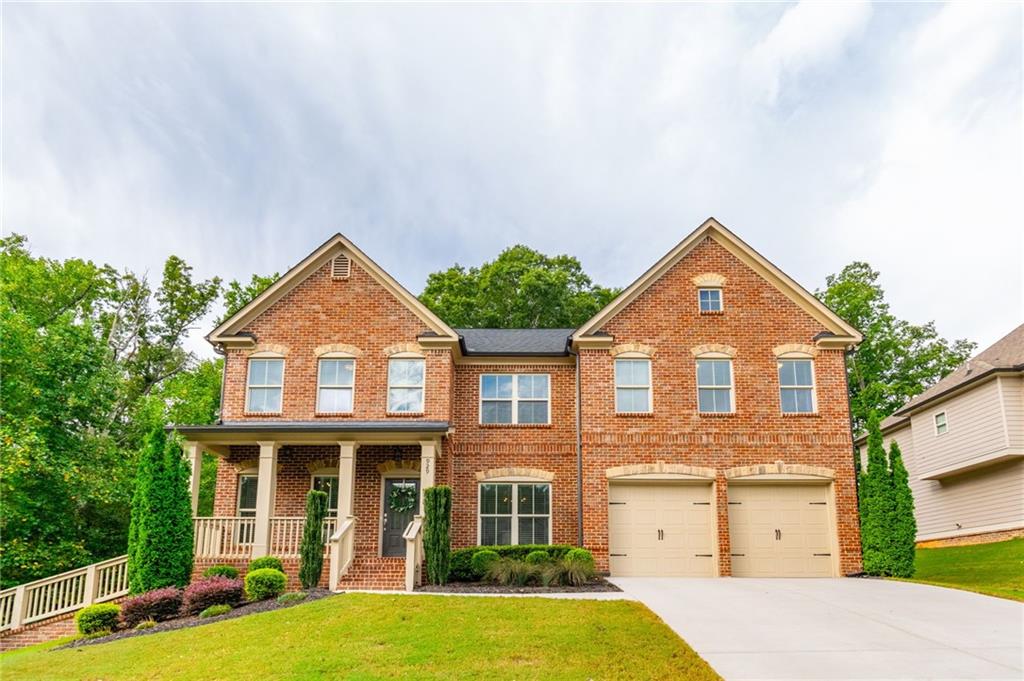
[{"x": 374, "y": 477}]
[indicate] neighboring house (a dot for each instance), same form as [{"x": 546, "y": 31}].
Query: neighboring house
[
  {"x": 963, "y": 444},
  {"x": 696, "y": 426}
]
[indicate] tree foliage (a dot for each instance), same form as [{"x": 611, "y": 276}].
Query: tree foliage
[
  {"x": 897, "y": 360},
  {"x": 437, "y": 545},
  {"x": 237, "y": 295},
  {"x": 311, "y": 550},
  {"x": 522, "y": 289},
  {"x": 887, "y": 526}
]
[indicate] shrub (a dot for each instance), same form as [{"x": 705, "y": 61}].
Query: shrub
[
  {"x": 437, "y": 544},
  {"x": 311, "y": 550},
  {"x": 211, "y": 591},
  {"x": 553, "y": 573},
  {"x": 511, "y": 572},
  {"x": 228, "y": 571},
  {"x": 145, "y": 624},
  {"x": 461, "y": 559},
  {"x": 214, "y": 611},
  {"x": 579, "y": 566},
  {"x": 482, "y": 560},
  {"x": 903, "y": 535},
  {"x": 293, "y": 597},
  {"x": 538, "y": 558},
  {"x": 272, "y": 562},
  {"x": 264, "y": 583},
  {"x": 94, "y": 619},
  {"x": 158, "y": 604}
]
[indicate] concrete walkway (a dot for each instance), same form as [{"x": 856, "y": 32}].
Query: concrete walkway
[{"x": 839, "y": 628}]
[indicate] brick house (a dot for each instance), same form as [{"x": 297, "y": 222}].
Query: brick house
[{"x": 696, "y": 426}]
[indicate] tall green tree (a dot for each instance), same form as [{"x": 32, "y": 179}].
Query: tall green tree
[
  {"x": 897, "y": 360},
  {"x": 311, "y": 549},
  {"x": 876, "y": 504},
  {"x": 903, "y": 530},
  {"x": 437, "y": 543},
  {"x": 522, "y": 288}
]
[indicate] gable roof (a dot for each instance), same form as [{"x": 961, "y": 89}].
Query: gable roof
[
  {"x": 839, "y": 333},
  {"x": 228, "y": 331},
  {"x": 1006, "y": 354},
  {"x": 530, "y": 342}
]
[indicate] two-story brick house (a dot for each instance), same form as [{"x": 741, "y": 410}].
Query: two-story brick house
[{"x": 698, "y": 425}]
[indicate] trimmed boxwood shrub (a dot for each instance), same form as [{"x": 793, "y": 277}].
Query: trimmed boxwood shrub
[
  {"x": 579, "y": 566},
  {"x": 482, "y": 561},
  {"x": 212, "y": 591},
  {"x": 96, "y": 619},
  {"x": 158, "y": 605},
  {"x": 229, "y": 571},
  {"x": 214, "y": 610},
  {"x": 264, "y": 583},
  {"x": 461, "y": 559},
  {"x": 272, "y": 562},
  {"x": 538, "y": 558}
]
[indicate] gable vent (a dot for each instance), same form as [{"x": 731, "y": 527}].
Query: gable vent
[{"x": 340, "y": 267}]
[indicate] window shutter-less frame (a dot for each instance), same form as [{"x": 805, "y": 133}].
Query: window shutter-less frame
[{"x": 340, "y": 267}]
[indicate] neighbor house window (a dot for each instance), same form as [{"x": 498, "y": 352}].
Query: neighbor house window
[
  {"x": 633, "y": 386},
  {"x": 335, "y": 386},
  {"x": 328, "y": 484},
  {"x": 265, "y": 382},
  {"x": 714, "y": 386},
  {"x": 405, "y": 385},
  {"x": 515, "y": 513},
  {"x": 796, "y": 385},
  {"x": 247, "y": 486},
  {"x": 941, "y": 426},
  {"x": 514, "y": 398},
  {"x": 710, "y": 299}
]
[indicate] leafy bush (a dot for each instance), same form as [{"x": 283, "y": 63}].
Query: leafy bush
[
  {"x": 311, "y": 550},
  {"x": 101, "y": 617},
  {"x": 211, "y": 591},
  {"x": 293, "y": 597},
  {"x": 481, "y": 562},
  {"x": 579, "y": 566},
  {"x": 264, "y": 583},
  {"x": 228, "y": 571},
  {"x": 538, "y": 558},
  {"x": 511, "y": 572},
  {"x": 437, "y": 544},
  {"x": 158, "y": 605},
  {"x": 214, "y": 611},
  {"x": 461, "y": 559},
  {"x": 272, "y": 562},
  {"x": 145, "y": 624}
]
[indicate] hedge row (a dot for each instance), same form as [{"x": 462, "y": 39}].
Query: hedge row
[{"x": 461, "y": 561}]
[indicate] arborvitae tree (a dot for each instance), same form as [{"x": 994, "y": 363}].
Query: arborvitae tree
[
  {"x": 876, "y": 507},
  {"x": 903, "y": 530},
  {"x": 437, "y": 502},
  {"x": 311, "y": 552},
  {"x": 160, "y": 533}
]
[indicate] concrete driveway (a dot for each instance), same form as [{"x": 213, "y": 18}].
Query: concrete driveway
[{"x": 839, "y": 628}]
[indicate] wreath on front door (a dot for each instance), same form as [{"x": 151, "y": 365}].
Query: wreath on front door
[{"x": 402, "y": 499}]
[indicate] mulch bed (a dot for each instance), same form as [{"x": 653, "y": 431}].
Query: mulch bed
[
  {"x": 597, "y": 584},
  {"x": 195, "y": 621}
]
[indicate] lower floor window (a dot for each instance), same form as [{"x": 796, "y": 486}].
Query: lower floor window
[
  {"x": 515, "y": 513},
  {"x": 328, "y": 484},
  {"x": 247, "y": 486}
]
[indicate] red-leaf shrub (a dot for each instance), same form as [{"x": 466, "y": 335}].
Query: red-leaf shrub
[
  {"x": 211, "y": 591},
  {"x": 158, "y": 604}
]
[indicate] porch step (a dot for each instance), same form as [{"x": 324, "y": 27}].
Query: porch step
[{"x": 375, "y": 572}]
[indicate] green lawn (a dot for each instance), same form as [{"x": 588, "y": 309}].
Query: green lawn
[
  {"x": 995, "y": 569},
  {"x": 367, "y": 636}
]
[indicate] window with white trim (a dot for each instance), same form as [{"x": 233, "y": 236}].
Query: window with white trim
[
  {"x": 941, "y": 424},
  {"x": 714, "y": 386},
  {"x": 335, "y": 386},
  {"x": 265, "y": 382},
  {"x": 247, "y": 489},
  {"x": 328, "y": 484},
  {"x": 515, "y": 398},
  {"x": 633, "y": 386},
  {"x": 515, "y": 513},
  {"x": 710, "y": 299},
  {"x": 406, "y": 378},
  {"x": 796, "y": 386}
]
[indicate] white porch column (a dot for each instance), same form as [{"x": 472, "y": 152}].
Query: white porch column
[
  {"x": 346, "y": 480},
  {"x": 429, "y": 449},
  {"x": 265, "y": 484},
  {"x": 194, "y": 454}
]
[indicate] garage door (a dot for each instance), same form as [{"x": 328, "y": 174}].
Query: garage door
[
  {"x": 780, "y": 530},
  {"x": 660, "y": 530}
]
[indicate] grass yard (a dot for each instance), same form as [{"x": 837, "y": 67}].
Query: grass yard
[
  {"x": 995, "y": 569},
  {"x": 367, "y": 636}
]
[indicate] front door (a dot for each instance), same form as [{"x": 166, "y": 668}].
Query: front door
[{"x": 401, "y": 503}]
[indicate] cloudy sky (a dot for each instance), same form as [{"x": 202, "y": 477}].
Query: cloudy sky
[{"x": 240, "y": 136}]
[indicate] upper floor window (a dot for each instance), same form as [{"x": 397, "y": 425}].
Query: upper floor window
[
  {"x": 796, "y": 385},
  {"x": 405, "y": 385},
  {"x": 515, "y": 513},
  {"x": 335, "y": 379},
  {"x": 328, "y": 484},
  {"x": 633, "y": 386},
  {"x": 515, "y": 398},
  {"x": 266, "y": 378},
  {"x": 714, "y": 386},
  {"x": 941, "y": 425},
  {"x": 710, "y": 299}
]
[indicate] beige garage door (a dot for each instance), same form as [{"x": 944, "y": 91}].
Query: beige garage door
[
  {"x": 780, "y": 530},
  {"x": 660, "y": 530}
]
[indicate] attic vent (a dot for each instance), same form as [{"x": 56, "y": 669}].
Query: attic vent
[{"x": 340, "y": 267}]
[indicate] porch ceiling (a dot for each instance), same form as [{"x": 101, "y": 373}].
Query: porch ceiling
[{"x": 303, "y": 432}]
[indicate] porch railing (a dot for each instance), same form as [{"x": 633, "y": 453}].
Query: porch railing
[
  {"x": 413, "y": 536},
  {"x": 232, "y": 537},
  {"x": 63, "y": 593},
  {"x": 341, "y": 546}
]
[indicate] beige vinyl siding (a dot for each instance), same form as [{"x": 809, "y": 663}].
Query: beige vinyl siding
[
  {"x": 976, "y": 428},
  {"x": 982, "y": 500},
  {"x": 1013, "y": 405}
]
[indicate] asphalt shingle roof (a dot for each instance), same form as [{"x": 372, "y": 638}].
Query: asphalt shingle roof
[{"x": 515, "y": 341}]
